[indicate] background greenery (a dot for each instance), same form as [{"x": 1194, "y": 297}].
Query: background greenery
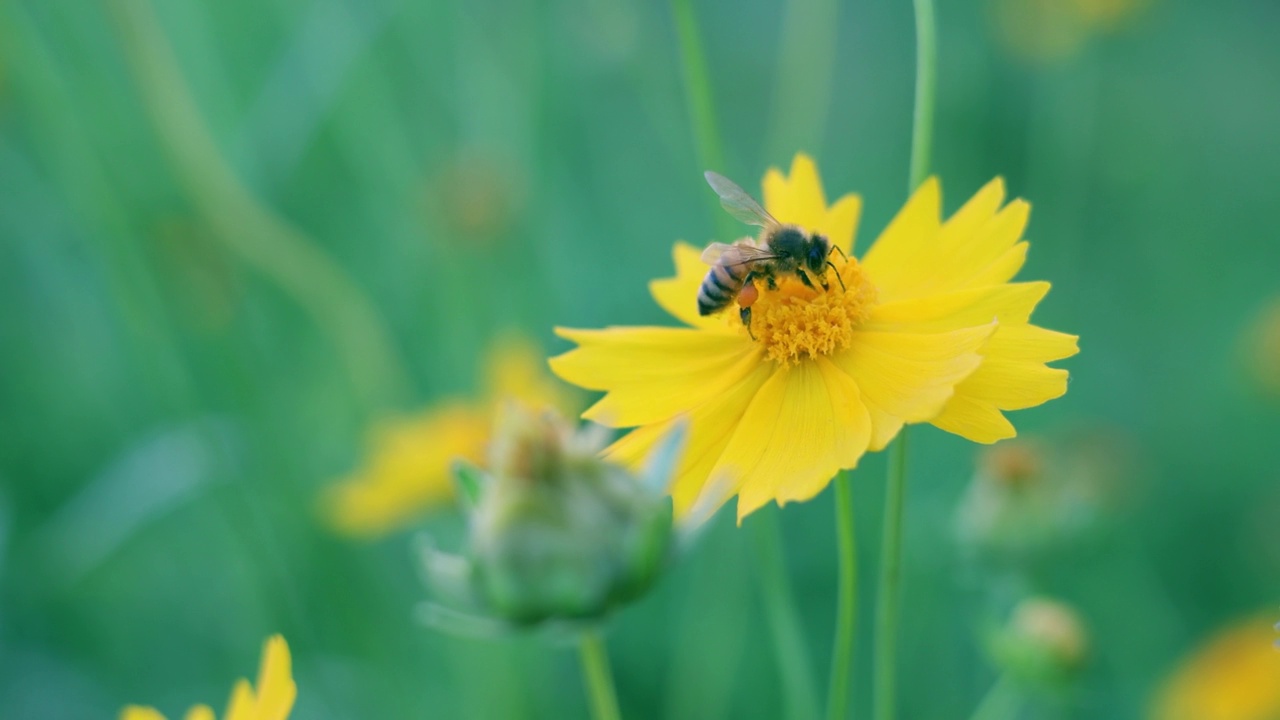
[{"x": 217, "y": 269}]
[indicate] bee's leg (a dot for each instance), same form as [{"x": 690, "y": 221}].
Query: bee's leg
[
  {"x": 773, "y": 284},
  {"x": 745, "y": 314},
  {"x": 807, "y": 282},
  {"x": 837, "y": 272}
]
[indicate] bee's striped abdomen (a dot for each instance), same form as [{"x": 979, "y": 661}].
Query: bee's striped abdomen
[{"x": 719, "y": 287}]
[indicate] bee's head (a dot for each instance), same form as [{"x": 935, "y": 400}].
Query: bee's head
[{"x": 816, "y": 255}]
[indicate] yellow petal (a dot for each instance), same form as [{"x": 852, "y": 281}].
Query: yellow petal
[
  {"x": 804, "y": 423},
  {"x": 1010, "y": 304},
  {"x": 1012, "y": 377},
  {"x": 407, "y": 471},
  {"x": 908, "y": 377},
  {"x": 908, "y": 238},
  {"x": 797, "y": 198},
  {"x": 919, "y": 256},
  {"x": 679, "y": 295},
  {"x": 710, "y": 426},
  {"x": 137, "y": 712},
  {"x": 652, "y": 374},
  {"x": 517, "y": 369},
  {"x": 276, "y": 689},
  {"x": 1234, "y": 676},
  {"x": 200, "y": 712},
  {"x": 841, "y": 222},
  {"x": 241, "y": 705}
]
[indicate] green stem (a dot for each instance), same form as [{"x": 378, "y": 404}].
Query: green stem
[
  {"x": 697, "y": 92},
  {"x": 926, "y": 81},
  {"x": 890, "y": 590},
  {"x": 846, "y": 602},
  {"x": 598, "y": 677},
  {"x": 1000, "y": 702},
  {"x": 788, "y": 643},
  {"x": 249, "y": 230}
]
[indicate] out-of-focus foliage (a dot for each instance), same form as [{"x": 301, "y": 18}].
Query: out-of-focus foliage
[{"x": 236, "y": 235}]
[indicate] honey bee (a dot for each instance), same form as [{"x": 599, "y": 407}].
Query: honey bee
[{"x": 779, "y": 250}]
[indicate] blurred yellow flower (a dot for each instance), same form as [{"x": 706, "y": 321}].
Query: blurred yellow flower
[
  {"x": 406, "y": 471},
  {"x": 1264, "y": 348},
  {"x": 272, "y": 701},
  {"x": 1235, "y": 676},
  {"x": 1046, "y": 30},
  {"x": 928, "y": 328}
]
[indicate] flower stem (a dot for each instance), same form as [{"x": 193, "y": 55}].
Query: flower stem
[
  {"x": 775, "y": 588},
  {"x": 890, "y": 590},
  {"x": 702, "y": 116},
  {"x": 598, "y": 677},
  {"x": 846, "y": 602},
  {"x": 926, "y": 81}
]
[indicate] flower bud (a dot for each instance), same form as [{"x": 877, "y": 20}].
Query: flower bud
[
  {"x": 555, "y": 531},
  {"x": 1043, "y": 644}
]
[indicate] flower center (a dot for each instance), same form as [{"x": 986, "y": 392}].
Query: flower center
[{"x": 795, "y": 321}]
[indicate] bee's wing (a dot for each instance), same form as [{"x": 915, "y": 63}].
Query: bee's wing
[
  {"x": 738, "y": 202},
  {"x": 739, "y": 253},
  {"x": 715, "y": 251}
]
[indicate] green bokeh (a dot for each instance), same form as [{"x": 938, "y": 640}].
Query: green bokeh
[{"x": 183, "y": 369}]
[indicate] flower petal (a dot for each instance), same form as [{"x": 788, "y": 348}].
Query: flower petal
[
  {"x": 137, "y": 712},
  {"x": 803, "y": 424},
  {"x": 276, "y": 689},
  {"x": 1010, "y": 304},
  {"x": 797, "y": 198},
  {"x": 841, "y": 222},
  {"x": 1012, "y": 376},
  {"x": 678, "y": 295},
  {"x": 917, "y": 255},
  {"x": 892, "y": 258},
  {"x": 711, "y": 425},
  {"x": 907, "y": 377},
  {"x": 407, "y": 470},
  {"x": 652, "y": 374},
  {"x": 200, "y": 712}
]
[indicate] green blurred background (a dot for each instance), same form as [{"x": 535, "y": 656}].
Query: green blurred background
[{"x": 234, "y": 233}]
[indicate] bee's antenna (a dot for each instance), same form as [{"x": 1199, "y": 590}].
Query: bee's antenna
[
  {"x": 837, "y": 249},
  {"x": 833, "y": 267}
]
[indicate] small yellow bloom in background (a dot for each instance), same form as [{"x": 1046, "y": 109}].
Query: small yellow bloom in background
[
  {"x": 1264, "y": 348},
  {"x": 273, "y": 699},
  {"x": 927, "y": 328},
  {"x": 1043, "y": 645},
  {"x": 1050, "y": 30},
  {"x": 407, "y": 469},
  {"x": 1235, "y": 676}
]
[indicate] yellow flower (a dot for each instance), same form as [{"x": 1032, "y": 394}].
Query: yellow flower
[
  {"x": 407, "y": 468},
  {"x": 927, "y": 328},
  {"x": 272, "y": 701},
  {"x": 1264, "y": 348},
  {"x": 1048, "y": 30},
  {"x": 1236, "y": 676}
]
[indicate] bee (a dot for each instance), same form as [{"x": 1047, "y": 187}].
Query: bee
[{"x": 779, "y": 250}]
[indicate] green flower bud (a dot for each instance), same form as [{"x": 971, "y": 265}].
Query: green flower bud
[
  {"x": 555, "y": 532},
  {"x": 1043, "y": 644}
]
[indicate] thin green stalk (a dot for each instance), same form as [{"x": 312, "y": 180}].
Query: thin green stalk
[
  {"x": 926, "y": 82},
  {"x": 598, "y": 677},
  {"x": 799, "y": 693},
  {"x": 890, "y": 590},
  {"x": 697, "y": 92},
  {"x": 846, "y": 602},
  {"x": 250, "y": 231},
  {"x": 1000, "y": 702}
]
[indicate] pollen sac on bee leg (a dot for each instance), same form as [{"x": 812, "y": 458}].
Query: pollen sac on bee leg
[{"x": 555, "y": 532}]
